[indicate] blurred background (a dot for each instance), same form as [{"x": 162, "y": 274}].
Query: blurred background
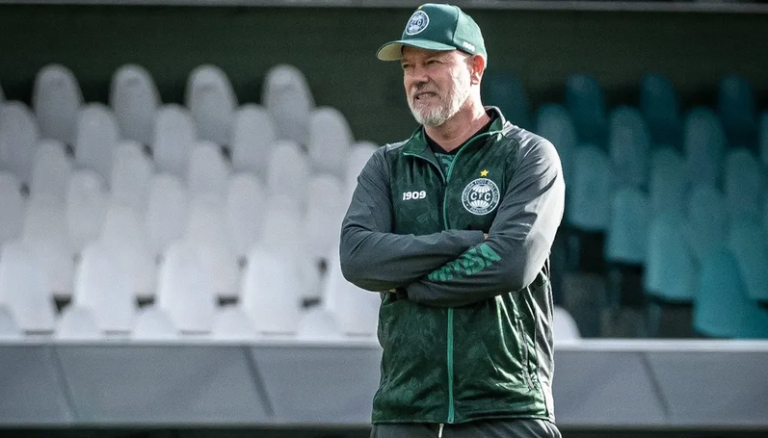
[{"x": 173, "y": 174}]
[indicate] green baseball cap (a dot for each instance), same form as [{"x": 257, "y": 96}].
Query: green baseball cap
[{"x": 437, "y": 27}]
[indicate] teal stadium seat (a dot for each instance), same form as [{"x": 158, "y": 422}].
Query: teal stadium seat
[
  {"x": 506, "y": 92},
  {"x": 585, "y": 101},
  {"x": 763, "y": 141},
  {"x": 668, "y": 186},
  {"x": 589, "y": 206},
  {"x": 628, "y": 229},
  {"x": 554, "y": 123},
  {"x": 736, "y": 107},
  {"x": 629, "y": 147},
  {"x": 722, "y": 308},
  {"x": 743, "y": 185},
  {"x": 704, "y": 144},
  {"x": 660, "y": 107},
  {"x": 747, "y": 241},
  {"x": 707, "y": 221}
]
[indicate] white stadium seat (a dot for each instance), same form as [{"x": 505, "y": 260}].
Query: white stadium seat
[
  {"x": 9, "y": 329},
  {"x": 135, "y": 99},
  {"x": 271, "y": 293},
  {"x": 184, "y": 290},
  {"x": 24, "y": 289},
  {"x": 288, "y": 174},
  {"x": 288, "y": 99},
  {"x": 56, "y": 99},
  {"x": 132, "y": 172},
  {"x": 174, "y": 138},
  {"x": 208, "y": 172},
  {"x": 329, "y": 141},
  {"x": 319, "y": 324},
  {"x": 359, "y": 155},
  {"x": 87, "y": 200},
  {"x": 564, "y": 327},
  {"x": 13, "y": 206},
  {"x": 51, "y": 171},
  {"x": 253, "y": 135},
  {"x": 153, "y": 324},
  {"x": 124, "y": 234},
  {"x": 96, "y": 138},
  {"x": 77, "y": 323},
  {"x": 46, "y": 236},
  {"x": 325, "y": 210},
  {"x": 245, "y": 211},
  {"x": 357, "y": 310},
  {"x": 167, "y": 212},
  {"x": 231, "y": 323},
  {"x": 210, "y": 98},
  {"x": 19, "y": 136}
]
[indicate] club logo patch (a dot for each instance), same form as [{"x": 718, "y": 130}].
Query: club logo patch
[
  {"x": 481, "y": 196},
  {"x": 418, "y": 22}
]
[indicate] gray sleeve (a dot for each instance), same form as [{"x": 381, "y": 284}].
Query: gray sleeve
[
  {"x": 518, "y": 242},
  {"x": 376, "y": 259}
]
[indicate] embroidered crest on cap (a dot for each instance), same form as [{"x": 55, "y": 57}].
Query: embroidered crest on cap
[
  {"x": 418, "y": 22},
  {"x": 481, "y": 196}
]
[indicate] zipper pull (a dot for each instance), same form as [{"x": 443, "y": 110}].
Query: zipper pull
[{"x": 440, "y": 430}]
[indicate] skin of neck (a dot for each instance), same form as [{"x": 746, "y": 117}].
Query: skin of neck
[{"x": 460, "y": 128}]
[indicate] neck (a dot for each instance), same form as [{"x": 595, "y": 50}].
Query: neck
[{"x": 459, "y": 128}]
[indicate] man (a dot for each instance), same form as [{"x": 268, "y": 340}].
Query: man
[{"x": 454, "y": 227}]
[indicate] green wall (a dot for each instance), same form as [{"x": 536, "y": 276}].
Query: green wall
[{"x": 335, "y": 48}]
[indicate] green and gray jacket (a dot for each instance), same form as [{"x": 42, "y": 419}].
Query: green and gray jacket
[{"x": 468, "y": 334}]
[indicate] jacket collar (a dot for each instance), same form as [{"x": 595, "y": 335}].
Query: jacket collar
[{"x": 417, "y": 143}]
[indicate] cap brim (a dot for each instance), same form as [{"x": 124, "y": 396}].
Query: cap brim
[{"x": 393, "y": 51}]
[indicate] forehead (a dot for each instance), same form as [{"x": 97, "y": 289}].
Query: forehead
[{"x": 415, "y": 53}]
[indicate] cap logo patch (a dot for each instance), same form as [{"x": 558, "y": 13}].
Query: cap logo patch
[
  {"x": 418, "y": 22},
  {"x": 468, "y": 46}
]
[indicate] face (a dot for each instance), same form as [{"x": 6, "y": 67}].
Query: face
[{"x": 437, "y": 84}]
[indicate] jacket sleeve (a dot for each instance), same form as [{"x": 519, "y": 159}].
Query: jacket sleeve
[
  {"x": 518, "y": 242},
  {"x": 376, "y": 259}
]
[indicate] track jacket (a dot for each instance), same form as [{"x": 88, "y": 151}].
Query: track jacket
[{"x": 468, "y": 334}]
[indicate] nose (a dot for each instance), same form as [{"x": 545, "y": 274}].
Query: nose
[{"x": 416, "y": 76}]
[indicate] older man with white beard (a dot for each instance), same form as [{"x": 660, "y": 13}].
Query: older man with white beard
[{"x": 453, "y": 227}]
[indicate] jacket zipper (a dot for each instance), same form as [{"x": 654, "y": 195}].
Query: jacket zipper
[{"x": 449, "y": 347}]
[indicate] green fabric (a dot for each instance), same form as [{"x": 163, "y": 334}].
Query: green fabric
[
  {"x": 479, "y": 361},
  {"x": 437, "y": 27}
]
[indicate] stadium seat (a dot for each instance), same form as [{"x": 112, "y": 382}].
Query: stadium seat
[
  {"x": 737, "y": 110},
  {"x": 357, "y": 310},
  {"x": 661, "y": 110},
  {"x": 103, "y": 286},
  {"x": 318, "y": 324},
  {"x": 56, "y": 99},
  {"x": 554, "y": 123},
  {"x": 564, "y": 328},
  {"x": 722, "y": 308},
  {"x": 51, "y": 171},
  {"x": 208, "y": 173},
  {"x": 46, "y": 237},
  {"x": 288, "y": 174},
  {"x": 589, "y": 204},
  {"x": 744, "y": 184},
  {"x": 505, "y": 91},
  {"x": 9, "y": 329},
  {"x": 207, "y": 233},
  {"x": 325, "y": 210},
  {"x": 212, "y": 102},
  {"x": 167, "y": 212},
  {"x": 153, "y": 324},
  {"x": 24, "y": 289},
  {"x": 287, "y": 97},
  {"x": 96, "y": 138},
  {"x": 174, "y": 138},
  {"x": 704, "y": 145},
  {"x": 135, "y": 100},
  {"x": 87, "y": 201},
  {"x": 271, "y": 293},
  {"x": 747, "y": 241},
  {"x": 19, "y": 136},
  {"x": 245, "y": 210},
  {"x": 13, "y": 207},
  {"x": 586, "y": 103},
  {"x": 329, "y": 141},
  {"x": 253, "y": 134},
  {"x": 359, "y": 155},
  {"x": 231, "y": 323},
  {"x": 77, "y": 323},
  {"x": 763, "y": 148},
  {"x": 185, "y": 291},
  {"x": 670, "y": 269},
  {"x": 668, "y": 188},
  {"x": 132, "y": 172},
  {"x": 707, "y": 221},
  {"x": 628, "y": 227},
  {"x": 124, "y": 235},
  {"x": 629, "y": 147}
]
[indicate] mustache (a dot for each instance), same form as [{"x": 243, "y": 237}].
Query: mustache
[{"x": 423, "y": 87}]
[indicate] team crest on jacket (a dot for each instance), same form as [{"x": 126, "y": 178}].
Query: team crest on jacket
[
  {"x": 481, "y": 196},
  {"x": 418, "y": 22}
]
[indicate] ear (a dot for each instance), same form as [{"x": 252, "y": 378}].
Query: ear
[{"x": 477, "y": 68}]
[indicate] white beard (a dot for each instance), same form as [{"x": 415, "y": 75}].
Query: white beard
[{"x": 437, "y": 114}]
